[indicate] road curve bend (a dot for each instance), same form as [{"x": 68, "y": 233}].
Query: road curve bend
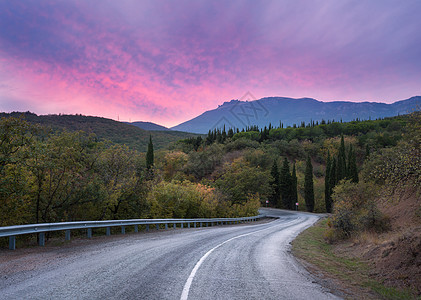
[{"x": 222, "y": 262}]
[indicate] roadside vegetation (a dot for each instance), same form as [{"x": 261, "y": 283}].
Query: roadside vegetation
[{"x": 373, "y": 237}]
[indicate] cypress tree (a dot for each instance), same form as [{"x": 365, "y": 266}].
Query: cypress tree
[
  {"x": 352, "y": 169},
  {"x": 286, "y": 185},
  {"x": 276, "y": 185},
  {"x": 341, "y": 162},
  {"x": 224, "y": 134},
  {"x": 294, "y": 194},
  {"x": 332, "y": 177},
  {"x": 308, "y": 185},
  {"x": 230, "y": 133},
  {"x": 219, "y": 138},
  {"x": 328, "y": 190},
  {"x": 149, "y": 154}
]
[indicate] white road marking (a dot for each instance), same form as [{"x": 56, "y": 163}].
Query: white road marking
[{"x": 187, "y": 285}]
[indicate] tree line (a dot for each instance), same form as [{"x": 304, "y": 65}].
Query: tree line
[{"x": 69, "y": 176}]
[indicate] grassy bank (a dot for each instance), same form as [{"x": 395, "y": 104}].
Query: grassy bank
[{"x": 349, "y": 275}]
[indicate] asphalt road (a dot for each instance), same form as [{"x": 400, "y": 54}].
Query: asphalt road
[{"x": 221, "y": 262}]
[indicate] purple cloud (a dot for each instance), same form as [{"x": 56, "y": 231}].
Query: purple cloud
[{"x": 167, "y": 61}]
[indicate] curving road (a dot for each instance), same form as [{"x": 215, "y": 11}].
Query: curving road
[{"x": 223, "y": 262}]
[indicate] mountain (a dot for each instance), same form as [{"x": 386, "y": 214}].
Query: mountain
[
  {"x": 105, "y": 129},
  {"x": 148, "y": 126},
  {"x": 240, "y": 114}
]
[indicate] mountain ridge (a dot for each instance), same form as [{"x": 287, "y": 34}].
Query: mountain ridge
[
  {"x": 104, "y": 129},
  {"x": 148, "y": 126},
  {"x": 289, "y": 111}
]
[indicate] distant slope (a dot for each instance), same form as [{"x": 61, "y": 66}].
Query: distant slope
[
  {"x": 117, "y": 132},
  {"x": 148, "y": 126},
  {"x": 291, "y": 111}
]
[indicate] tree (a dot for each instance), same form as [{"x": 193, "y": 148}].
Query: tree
[
  {"x": 286, "y": 185},
  {"x": 308, "y": 185},
  {"x": 240, "y": 180},
  {"x": 294, "y": 194},
  {"x": 341, "y": 172},
  {"x": 149, "y": 154},
  {"x": 328, "y": 190},
  {"x": 276, "y": 185},
  {"x": 352, "y": 166}
]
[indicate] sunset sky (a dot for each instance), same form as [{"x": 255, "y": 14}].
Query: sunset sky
[{"x": 168, "y": 61}]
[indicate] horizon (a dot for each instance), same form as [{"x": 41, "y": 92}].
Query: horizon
[
  {"x": 167, "y": 63},
  {"x": 200, "y": 113}
]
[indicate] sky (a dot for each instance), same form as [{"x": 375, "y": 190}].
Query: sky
[{"x": 169, "y": 61}]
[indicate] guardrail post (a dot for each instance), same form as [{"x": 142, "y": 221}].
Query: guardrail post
[
  {"x": 181, "y": 225},
  {"x": 147, "y": 227},
  {"x": 67, "y": 235},
  {"x": 123, "y": 230},
  {"x": 108, "y": 231},
  {"x": 166, "y": 225},
  {"x": 136, "y": 229},
  {"x": 188, "y": 225},
  {"x": 194, "y": 224},
  {"x": 201, "y": 224},
  {"x": 157, "y": 226},
  {"x": 174, "y": 226},
  {"x": 89, "y": 233},
  {"x": 41, "y": 241},
  {"x": 12, "y": 242}
]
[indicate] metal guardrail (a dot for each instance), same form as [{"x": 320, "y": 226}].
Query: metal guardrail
[{"x": 42, "y": 228}]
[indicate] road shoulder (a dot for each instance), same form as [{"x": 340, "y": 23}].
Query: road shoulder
[{"x": 345, "y": 276}]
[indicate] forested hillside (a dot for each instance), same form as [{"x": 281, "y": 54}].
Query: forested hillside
[
  {"x": 104, "y": 129},
  {"x": 65, "y": 176}
]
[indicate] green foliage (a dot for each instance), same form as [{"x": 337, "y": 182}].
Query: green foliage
[
  {"x": 352, "y": 172},
  {"x": 308, "y": 186},
  {"x": 240, "y": 181},
  {"x": 400, "y": 164},
  {"x": 203, "y": 162},
  {"x": 355, "y": 208}
]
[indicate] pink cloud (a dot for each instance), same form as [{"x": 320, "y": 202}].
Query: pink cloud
[{"x": 167, "y": 62}]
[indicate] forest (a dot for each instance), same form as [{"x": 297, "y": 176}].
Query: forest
[{"x": 51, "y": 176}]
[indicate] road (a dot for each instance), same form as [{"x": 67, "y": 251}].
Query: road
[{"x": 221, "y": 262}]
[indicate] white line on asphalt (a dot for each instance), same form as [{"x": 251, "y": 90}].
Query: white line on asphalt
[{"x": 187, "y": 285}]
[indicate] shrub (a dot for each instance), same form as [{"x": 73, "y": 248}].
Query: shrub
[{"x": 354, "y": 209}]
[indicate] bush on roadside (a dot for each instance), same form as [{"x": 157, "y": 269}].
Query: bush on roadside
[{"x": 355, "y": 210}]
